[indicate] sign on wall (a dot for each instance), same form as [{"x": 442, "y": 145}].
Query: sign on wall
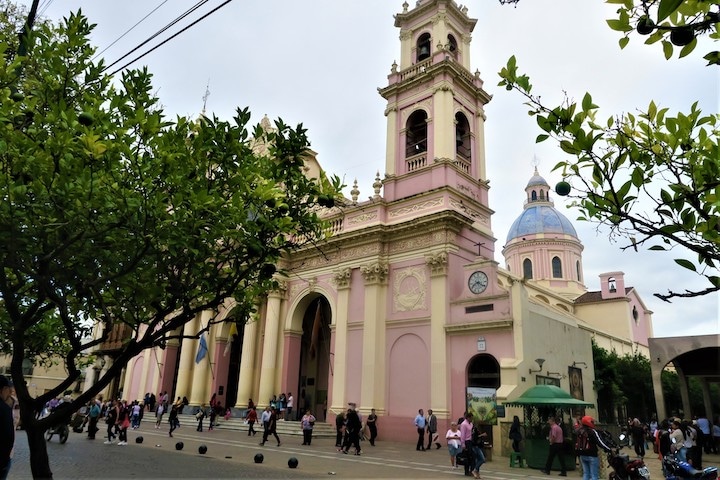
[
  {"x": 576, "y": 383},
  {"x": 482, "y": 403}
]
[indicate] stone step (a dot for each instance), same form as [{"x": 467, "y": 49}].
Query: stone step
[{"x": 324, "y": 430}]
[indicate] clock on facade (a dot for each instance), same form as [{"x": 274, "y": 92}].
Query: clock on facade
[{"x": 478, "y": 281}]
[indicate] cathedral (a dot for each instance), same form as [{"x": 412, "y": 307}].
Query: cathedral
[{"x": 405, "y": 305}]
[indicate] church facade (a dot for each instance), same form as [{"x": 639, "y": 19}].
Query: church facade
[{"x": 404, "y": 306}]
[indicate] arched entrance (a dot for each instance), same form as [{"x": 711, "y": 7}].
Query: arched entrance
[
  {"x": 483, "y": 371},
  {"x": 314, "y": 362},
  {"x": 483, "y": 380},
  {"x": 235, "y": 337}
]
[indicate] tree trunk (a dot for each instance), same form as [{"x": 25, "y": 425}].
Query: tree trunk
[{"x": 39, "y": 460}]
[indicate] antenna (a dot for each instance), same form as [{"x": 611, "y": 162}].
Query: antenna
[{"x": 205, "y": 97}]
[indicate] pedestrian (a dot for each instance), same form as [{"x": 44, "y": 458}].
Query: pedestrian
[
  {"x": 290, "y": 405},
  {"x": 477, "y": 445},
  {"x": 173, "y": 418},
  {"x": 420, "y": 424},
  {"x": 677, "y": 440},
  {"x": 111, "y": 416},
  {"x": 353, "y": 424},
  {"x": 135, "y": 416},
  {"x": 705, "y": 433},
  {"x": 213, "y": 417},
  {"x": 251, "y": 418},
  {"x": 515, "y": 434},
  {"x": 7, "y": 427},
  {"x": 307, "y": 422},
  {"x": 271, "y": 427},
  {"x": 556, "y": 439},
  {"x": 432, "y": 430},
  {"x": 637, "y": 432},
  {"x": 200, "y": 416},
  {"x": 339, "y": 430},
  {"x": 454, "y": 444},
  {"x": 371, "y": 423},
  {"x": 93, "y": 417},
  {"x": 123, "y": 423},
  {"x": 587, "y": 445},
  {"x": 159, "y": 414}
]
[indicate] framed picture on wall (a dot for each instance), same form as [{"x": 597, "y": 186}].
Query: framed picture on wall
[{"x": 576, "y": 383}]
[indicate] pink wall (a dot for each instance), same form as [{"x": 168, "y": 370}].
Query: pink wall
[
  {"x": 354, "y": 366},
  {"x": 291, "y": 366},
  {"x": 221, "y": 371},
  {"x": 133, "y": 392},
  {"x": 169, "y": 361},
  {"x": 408, "y": 371}
]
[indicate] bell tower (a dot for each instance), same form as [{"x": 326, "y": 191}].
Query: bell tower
[{"x": 435, "y": 106}]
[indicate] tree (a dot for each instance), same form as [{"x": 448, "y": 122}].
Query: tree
[
  {"x": 673, "y": 23},
  {"x": 653, "y": 178},
  {"x": 111, "y": 214},
  {"x": 623, "y": 385}
]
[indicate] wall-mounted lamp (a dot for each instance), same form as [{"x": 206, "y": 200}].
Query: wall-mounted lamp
[
  {"x": 540, "y": 362},
  {"x": 575, "y": 364}
]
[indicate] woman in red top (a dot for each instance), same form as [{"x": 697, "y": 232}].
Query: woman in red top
[{"x": 251, "y": 418}]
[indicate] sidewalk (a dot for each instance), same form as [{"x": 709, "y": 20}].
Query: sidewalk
[{"x": 230, "y": 455}]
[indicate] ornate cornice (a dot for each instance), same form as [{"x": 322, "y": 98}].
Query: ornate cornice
[{"x": 375, "y": 273}]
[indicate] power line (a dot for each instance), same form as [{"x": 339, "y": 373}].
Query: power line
[
  {"x": 185, "y": 14},
  {"x": 129, "y": 29}
]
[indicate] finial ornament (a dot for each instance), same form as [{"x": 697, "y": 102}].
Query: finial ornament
[
  {"x": 377, "y": 185},
  {"x": 355, "y": 192},
  {"x": 405, "y": 6}
]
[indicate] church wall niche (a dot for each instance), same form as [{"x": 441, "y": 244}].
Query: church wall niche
[{"x": 408, "y": 364}]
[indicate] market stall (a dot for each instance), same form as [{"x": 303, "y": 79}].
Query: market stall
[{"x": 539, "y": 403}]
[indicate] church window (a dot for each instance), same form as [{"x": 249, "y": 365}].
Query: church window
[
  {"x": 533, "y": 195},
  {"x": 462, "y": 136},
  {"x": 611, "y": 284},
  {"x": 577, "y": 268},
  {"x": 452, "y": 45},
  {"x": 556, "y": 267},
  {"x": 527, "y": 269},
  {"x": 423, "y": 47},
  {"x": 416, "y": 134}
]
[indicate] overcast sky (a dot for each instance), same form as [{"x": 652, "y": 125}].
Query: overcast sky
[{"x": 320, "y": 62}]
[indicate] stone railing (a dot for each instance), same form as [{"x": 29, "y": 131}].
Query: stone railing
[{"x": 416, "y": 162}]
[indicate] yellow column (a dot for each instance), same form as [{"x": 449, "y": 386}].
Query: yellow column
[
  {"x": 268, "y": 367},
  {"x": 187, "y": 361},
  {"x": 439, "y": 386},
  {"x": 391, "y": 142},
  {"x": 373, "y": 358},
  {"x": 246, "y": 374},
  {"x": 342, "y": 280},
  {"x": 443, "y": 123}
]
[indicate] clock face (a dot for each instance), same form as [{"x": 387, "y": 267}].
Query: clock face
[{"x": 478, "y": 281}]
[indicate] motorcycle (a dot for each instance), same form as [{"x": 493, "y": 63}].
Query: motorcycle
[
  {"x": 624, "y": 468},
  {"x": 675, "y": 469}
]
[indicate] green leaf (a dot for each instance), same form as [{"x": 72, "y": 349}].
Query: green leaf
[
  {"x": 713, "y": 58},
  {"x": 667, "y": 49},
  {"x": 688, "y": 48},
  {"x": 667, "y": 8},
  {"x": 657, "y": 247},
  {"x": 623, "y": 42},
  {"x": 541, "y": 138},
  {"x": 686, "y": 263}
]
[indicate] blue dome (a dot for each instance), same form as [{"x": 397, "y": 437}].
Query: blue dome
[
  {"x": 537, "y": 180},
  {"x": 542, "y": 218}
]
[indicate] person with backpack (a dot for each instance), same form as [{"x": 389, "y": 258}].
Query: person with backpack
[
  {"x": 587, "y": 445},
  {"x": 556, "y": 439},
  {"x": 515, "y": 434}
]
